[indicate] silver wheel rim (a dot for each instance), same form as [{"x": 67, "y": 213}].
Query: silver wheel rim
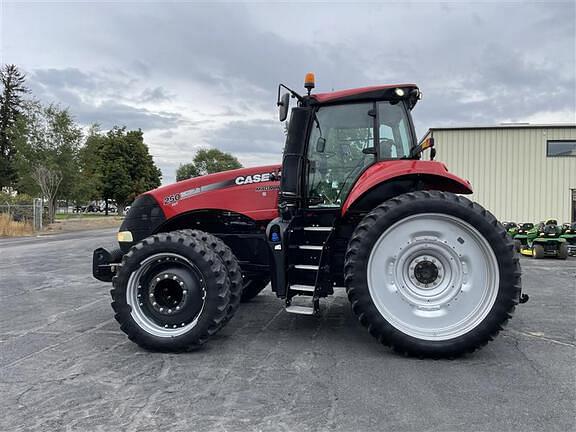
[
  {"x": 134, "y": 297},
  {"x": 433, "y": 276}
]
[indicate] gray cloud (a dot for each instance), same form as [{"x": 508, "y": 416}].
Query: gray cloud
[
  {"x": 251, "y": 136},
  {"x": 206, "y": 73}
]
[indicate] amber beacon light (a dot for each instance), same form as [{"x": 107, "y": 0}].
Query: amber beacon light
[{"x": 309, "y": 81}]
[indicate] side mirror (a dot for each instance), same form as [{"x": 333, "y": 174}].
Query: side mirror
[
  {"x": 426, "y": 144},
  {"x": 283, "y": 105},
  {"x": 320, "y": 145}
]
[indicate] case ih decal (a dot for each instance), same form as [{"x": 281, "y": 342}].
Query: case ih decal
[{"x": 256, "y": 178}]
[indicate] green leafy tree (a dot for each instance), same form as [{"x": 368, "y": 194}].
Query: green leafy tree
[
  {"x": 207, "y": 161},
  {"x": 210, "y": 161},
  {"x": 127, "y": 168},
  {"x": 186, "y": 171},
  {"x": 11, "y": 101},
  {"x": 48, "y": 146}
]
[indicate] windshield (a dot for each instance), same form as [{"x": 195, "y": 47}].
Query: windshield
[{"x": 338, "y": 138}]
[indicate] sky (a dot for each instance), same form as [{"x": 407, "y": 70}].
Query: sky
[{"x": 194, "y": 75}]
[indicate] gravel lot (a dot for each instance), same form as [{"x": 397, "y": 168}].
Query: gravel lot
[{"x": 65, "y": 365}]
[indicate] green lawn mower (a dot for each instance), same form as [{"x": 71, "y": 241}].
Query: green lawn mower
[
  {"x": 520, "y": 235},
  {"x": 510, "y": 227},
  {"x": 545, "y": 240},
  {"x": 569, "y": 233}
]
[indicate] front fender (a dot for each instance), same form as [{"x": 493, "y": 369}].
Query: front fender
[{"x": 435, "y": 176}]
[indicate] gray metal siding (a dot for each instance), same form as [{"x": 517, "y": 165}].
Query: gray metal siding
[{"x": 509, "y": 170}]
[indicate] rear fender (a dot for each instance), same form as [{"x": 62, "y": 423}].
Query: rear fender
[{"x": 387, "y": 179}]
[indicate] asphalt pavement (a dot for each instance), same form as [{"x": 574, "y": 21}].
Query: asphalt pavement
[{"x": 65, "y": 364}]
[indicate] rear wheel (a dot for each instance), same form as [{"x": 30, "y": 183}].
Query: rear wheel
[
  {"x": 563, "y": 251},
  {"x": 517, "y": 245},
  {"x": 171, "y": 293},
  {"x": 537, "y": 251},
  {"x": 253, "y": 287},
  {"x": 432, "y": 274}
]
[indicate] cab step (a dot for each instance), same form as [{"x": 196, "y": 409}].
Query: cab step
[
  {"x": 304, "y": 288},
  {"x": 306, "y": 267},
  {"x": 310, "y": 247},
  {"x": 300, "y": 310}
]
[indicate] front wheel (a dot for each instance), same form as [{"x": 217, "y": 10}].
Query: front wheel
[
  {"x": 171, "y": 292},
  {"x": 432, "y": 274}
]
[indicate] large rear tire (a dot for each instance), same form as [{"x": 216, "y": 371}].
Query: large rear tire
[
  {"x": 171, "y": 293},
  {"x": 432, "y": 274}
]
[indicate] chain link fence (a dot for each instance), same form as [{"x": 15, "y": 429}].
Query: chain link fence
[{"x": 24, "y": 215}]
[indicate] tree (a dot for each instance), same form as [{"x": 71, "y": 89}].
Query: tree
[
  {"x": 11, "y": 100},
  {"x": 49, "y": 137},
  {"x": 186, "y": 171},
  {"x": 127, "y": 168},
  {"x": 89, "y": 182},
  {"x": 207, "y": 161},
  {"x": 49, "y": 180}
]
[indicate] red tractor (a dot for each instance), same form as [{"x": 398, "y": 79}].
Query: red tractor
[{"x": 427, "y": 271}]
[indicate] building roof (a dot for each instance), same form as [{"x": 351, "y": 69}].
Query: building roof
[
  {"x": 501, "y": 126},
  {"x": 508, "y": 126}
]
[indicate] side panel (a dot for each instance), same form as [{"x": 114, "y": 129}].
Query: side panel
[
  {"x": 388, "y": 170},
  {"x": 252, "y": 192}
]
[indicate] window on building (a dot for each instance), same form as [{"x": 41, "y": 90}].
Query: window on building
[{"x": 561, "y": 148}]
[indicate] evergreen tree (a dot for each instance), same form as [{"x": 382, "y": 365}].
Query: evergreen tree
[{"x": 11, "y": 100}]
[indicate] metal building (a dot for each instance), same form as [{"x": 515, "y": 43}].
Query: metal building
[{"x": 520, "y": 172}]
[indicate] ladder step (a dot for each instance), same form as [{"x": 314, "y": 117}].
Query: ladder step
[
  {"x": 317, "y": 228},
  {"x": 306, "y": 267},
  {"x": 300, "y": 310},
  {"x": 306, "y": 288},
  {"x": 310, "y": 247}
]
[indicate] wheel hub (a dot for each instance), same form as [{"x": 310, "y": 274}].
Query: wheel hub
[
  {"x": 426, "y": 272},
  {"x": 168, "y": 293}
]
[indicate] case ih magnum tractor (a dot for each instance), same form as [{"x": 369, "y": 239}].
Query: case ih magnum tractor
[{"x": 427, "y": 271}]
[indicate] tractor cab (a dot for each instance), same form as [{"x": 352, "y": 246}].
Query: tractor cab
[{"x": 335, "y": 143}]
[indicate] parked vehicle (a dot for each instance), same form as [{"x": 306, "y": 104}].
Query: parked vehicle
[
  {"x": 353, "y": 205},
  {"x": 545, "y": 240},
  {"x": 520, "y": 235},
  {"x": 569, "y": 234}
]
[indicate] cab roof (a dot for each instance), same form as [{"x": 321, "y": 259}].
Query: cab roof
[{"x": 362, "y": 94}]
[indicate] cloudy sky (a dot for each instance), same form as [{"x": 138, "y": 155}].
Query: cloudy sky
[{"x": 199, "y": 74}]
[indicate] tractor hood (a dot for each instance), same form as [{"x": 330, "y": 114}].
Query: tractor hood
[{"x": 249, "y": 191}]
